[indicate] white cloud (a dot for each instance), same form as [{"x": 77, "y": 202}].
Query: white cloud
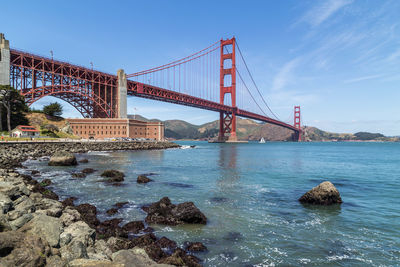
[
  {"x": 285, "y": 74},
  {"x": 394, "y": 55},
  {"x": 363, "y": 78},
  {"x": 320, "y": 13}
]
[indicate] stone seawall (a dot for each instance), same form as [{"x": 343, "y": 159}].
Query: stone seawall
[{"x": 12, "y": 154}]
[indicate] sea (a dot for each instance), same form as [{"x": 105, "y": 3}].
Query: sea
[{"x": 249, "y": 193}]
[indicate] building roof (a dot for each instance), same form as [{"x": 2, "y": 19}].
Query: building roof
[{"x": 26, "y": 128}]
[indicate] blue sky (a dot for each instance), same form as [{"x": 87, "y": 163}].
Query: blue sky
[{"x": 338, "y": 59}]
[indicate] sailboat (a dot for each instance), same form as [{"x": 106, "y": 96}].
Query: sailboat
[{"x": 262, "y": 140}]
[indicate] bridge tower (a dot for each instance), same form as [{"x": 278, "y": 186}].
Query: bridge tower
[
  {"x": 227, "y": 76},
  {"x": 297, "y": 123},
  {"x": 4, "y": 61},
  {"x": 121, "y": 95}
]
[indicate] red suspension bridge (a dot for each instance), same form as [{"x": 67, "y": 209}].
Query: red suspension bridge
[{"x": 212, "y": 79}]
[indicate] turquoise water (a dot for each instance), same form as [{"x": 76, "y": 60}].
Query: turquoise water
[{"x": 249, "y": 194}]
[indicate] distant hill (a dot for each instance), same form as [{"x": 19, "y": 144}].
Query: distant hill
[
  {"x": 315, "y": 134},
  {"x": 250, "y": 130}
]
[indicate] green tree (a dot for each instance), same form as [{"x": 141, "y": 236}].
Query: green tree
[
  {"x": 12, "y": 104},
  {"x": 53, "y": 109}
]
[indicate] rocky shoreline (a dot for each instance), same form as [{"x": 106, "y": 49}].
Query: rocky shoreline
[{"x": 36, "y": 229}]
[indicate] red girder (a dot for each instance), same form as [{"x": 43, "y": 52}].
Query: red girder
[{"x": 35, "y": 76}]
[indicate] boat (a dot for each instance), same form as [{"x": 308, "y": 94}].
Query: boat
[{"x": 262, "y": 140}]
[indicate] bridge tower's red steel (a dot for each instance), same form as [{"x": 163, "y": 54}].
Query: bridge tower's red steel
[
  {"x": 297, "y": 122},
  {"x": 227, "y": 121}
]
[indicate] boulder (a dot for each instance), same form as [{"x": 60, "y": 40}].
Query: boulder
[
  {"x": 119, "y": 243},
  {"x": 55, "y": 261},
  {"x": 111, "y": 228},
  {"x": 62, "y": 158},
  {"x": 113, "y": 176},
  {"x": 121, "y": 204},
  {"x": 135, "y": 255},
  {"x": 94, "y": 263},
  {"x": 323, "y": 194},
  {"x": 5, "y": 203},
  {"x": 9, "y": 190},
  {"x": 180, "y": 258},
  {"x": 70, "y": 216},
  {"x": 69, "y": 201},
  {"x": 45, "y": 182},
  {"x": 78, "y": 231},
  {"x": 164, "y": 212},
  {"x": 142, "y": 179},
  {"x": 166, "y": 243},
  {"x": 74, "y": 250},
  {"x": 44, "y": 226},
  {"x": 21, "y": 221},
  {"x": 133, "y": 227},
  {"x": 88, "y": 171},
  {"x": 78, "y": 175},
  {"x": 35, "y": 172},
  {"x": 84, "y": 161},
  {"x": 88, "y": 214},
  {"x": 20, "y": 249},
  {"x": 4, "y": 224},
  {"x": 195, "y": 246},
  {"x": 112, "y": 211}
]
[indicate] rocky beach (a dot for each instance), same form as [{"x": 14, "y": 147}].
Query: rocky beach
[{"x": 37, "y": 229}]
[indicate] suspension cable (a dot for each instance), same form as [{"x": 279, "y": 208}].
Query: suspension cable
[{"x": 251, "y": 76}]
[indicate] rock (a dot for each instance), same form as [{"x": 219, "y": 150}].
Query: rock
[
  {"x": 112, "y": 211},
  {"x": 166, "y": 243},
  {"x": 113, "y": 176},
  {"x": 78, "y": 231},
  {"x": 27, "y": 205},
  {"x": 144, "y": 240},
  {"x": 19, "y": 249},
  {"x": 180, "y": 258},
  {"x": 4, "y": 224},
  {"x": 78, "y": 175},
  {"x": 119, "y": 243},
  {"x": 135, "y": 257},
  {"x": 142, "y": 179},
  {"x": 35, "y": 172},
  {"x": 120, "y": 204},
  {"x": 323, "y": 194},
  {"x": 44, "y": 226},
  {"x": 88, "y": 171},
  {"x": 69, "y": 201},
  {"x": 164, "y": 212},
  {"x": 84, "y": 161},
  {"x": 94, "y": 263},
  {"x": 155, "y": 252},
  {"x": 62, "y": 158},
  {"x": 55, "y": 261},
  {"x": 133, "y": 227},
  {"x": 111, "y": 228},
  {"x": 88, "y": 214},
  {"x": 21, "y": 221},
  {"x": 45, "y": 204},
  {"x": 70, "y": 216},
  {"x": 5, "y": 203},
  {"x": 46, "y": 182},
  {"x": 9, "y": 190},
  {"x": 101, "y": 248},
  {"x": 195, "y": 246},
  {"x": 74, "y": 250},
  {"x": 47, "y": 193}
]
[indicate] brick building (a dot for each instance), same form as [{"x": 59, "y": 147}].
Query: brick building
[{"x": 99, "y": 128}]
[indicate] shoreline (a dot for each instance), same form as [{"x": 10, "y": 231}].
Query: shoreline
[{"x": 69, "y": 235}]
